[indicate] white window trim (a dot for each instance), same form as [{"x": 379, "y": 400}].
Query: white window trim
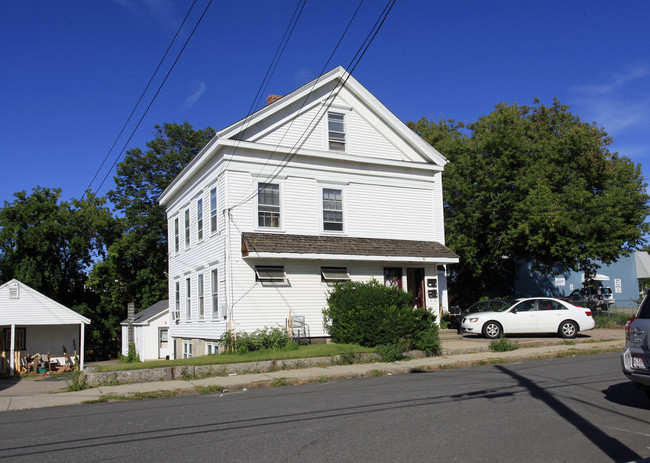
[
  {"x": 282, "y": 210},
  {"x": 270, "y": 274},
  {"x": 214, "y": 212},
  {"x": 214, "y": 345},
  {"x": 214, "y": 290},
  {"x": 177, "y": 235},
  {"x": 187, "y": 214},
  {"x": 199, "y": 219},
  {"x": 187, "y": 349},
  {"x": 334, "y": 110},
  {"x": 188, "y": 299},
  {"x": 201, "y": 295},
  {"x": 321, "y": 217}
]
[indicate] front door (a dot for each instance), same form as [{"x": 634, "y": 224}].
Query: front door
[
  {"x": 163, "y": 343},
  {"x": 415, "y": 280}
]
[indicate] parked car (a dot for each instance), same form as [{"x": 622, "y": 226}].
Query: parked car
[
  {"x": 635, "y": 359},
  {"x": 601, "y": 297},
  {"x": 530, "y": 315},
  {"x": 488, "y": 305}
]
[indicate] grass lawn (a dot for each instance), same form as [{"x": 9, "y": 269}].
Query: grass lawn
[{"x": 320, "y": 350}]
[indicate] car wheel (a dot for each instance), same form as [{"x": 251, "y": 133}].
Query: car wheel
[
  {"x": 568, "y": 329},
  {"x": 492, "y": 330}
]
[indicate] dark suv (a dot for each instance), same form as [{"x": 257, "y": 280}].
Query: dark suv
[
  {"x": 635, "y": 359},
  {"x": 598, "y": 298}
]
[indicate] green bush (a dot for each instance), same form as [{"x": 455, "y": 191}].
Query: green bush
[
  {"x": 503, "y": 345},
  {"x": 132, "y": 356},
  {"x": 391, "y": 352},
  {"x": 611, "y": 319},
  {"x": 259, "y": 340},
  {"x": 371, "y": 314}
]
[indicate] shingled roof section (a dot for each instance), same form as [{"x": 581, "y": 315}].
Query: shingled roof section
[{"x": 276, "y": 243}]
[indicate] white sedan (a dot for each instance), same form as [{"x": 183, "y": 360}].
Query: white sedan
[{"x": 532, "y": 315}]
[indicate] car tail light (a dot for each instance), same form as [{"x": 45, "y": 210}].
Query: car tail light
[
  {"x": 588, "y": 313},
  {"x": 627, "y": 328}
]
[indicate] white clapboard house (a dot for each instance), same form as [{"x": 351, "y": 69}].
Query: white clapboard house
[{"x": 321, "y": 185}]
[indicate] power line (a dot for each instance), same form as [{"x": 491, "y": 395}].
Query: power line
[
  {"x": 158, "y": 91},
  {"x": 141, "y": 97},
  {"x": 311, "y": 126},
  {"x": 272, "y": 66}
]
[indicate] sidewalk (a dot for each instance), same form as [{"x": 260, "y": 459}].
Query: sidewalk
[{"x": 457, "y": 351}]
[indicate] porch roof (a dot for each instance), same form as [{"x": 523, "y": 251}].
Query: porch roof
[{"x": 277, "y": 245}]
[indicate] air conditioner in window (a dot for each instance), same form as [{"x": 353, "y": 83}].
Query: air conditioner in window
[{"x": 176, "y": 315}]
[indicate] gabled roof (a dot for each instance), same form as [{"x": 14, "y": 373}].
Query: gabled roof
[
  {"x": 275, "y": 245},
  {"x": 233, "y": 135},
  {"x": 22, "y": 305},
  {"x": 145, "y": 316}
]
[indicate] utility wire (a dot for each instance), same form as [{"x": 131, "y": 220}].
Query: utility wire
[
  {"x": 141, "y": 97},
  {"x": 205, "y": 10},
  {"x": 271, "y": 69},
  {"x": 335, "y": 91},
  {"x": 310, "y": 90}
]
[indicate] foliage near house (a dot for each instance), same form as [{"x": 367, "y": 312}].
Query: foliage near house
[
  {"x": 135, "y": 268},
  {"x": 534, "y": 184},
  {"x": 371, "y": 314},
  {"x": 50, "y": 244}
]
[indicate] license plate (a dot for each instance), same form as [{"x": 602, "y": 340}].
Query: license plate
[{"x": 641, "y": 362}]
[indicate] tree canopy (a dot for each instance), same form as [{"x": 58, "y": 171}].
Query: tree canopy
[
  {"x": 50, "y": 245},
  {"x": 534, "y": 184},
  {"x": 135, "y": 268}
]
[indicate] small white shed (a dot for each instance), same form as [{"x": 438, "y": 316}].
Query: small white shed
[
  {"x": 150, "y": 332},
  {"x": 33, "y": 323}
]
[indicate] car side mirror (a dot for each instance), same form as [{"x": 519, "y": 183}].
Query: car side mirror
[{"x": 514, "y": 311}]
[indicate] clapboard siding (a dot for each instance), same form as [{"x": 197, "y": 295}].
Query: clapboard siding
[{"x": 392, "y": 189}]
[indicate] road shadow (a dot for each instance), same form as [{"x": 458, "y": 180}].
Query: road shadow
[{"x": 628, "y": 395}]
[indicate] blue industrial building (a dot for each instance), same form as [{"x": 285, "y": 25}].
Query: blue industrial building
[{"x": 627, "y": 277}]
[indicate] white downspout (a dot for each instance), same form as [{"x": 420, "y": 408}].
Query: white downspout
[{"x": 83, "y": 346}]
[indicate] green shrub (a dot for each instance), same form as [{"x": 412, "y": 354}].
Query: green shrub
[
  {"x": 259, "y": 340},
  {"x": 132, "y": 356},
  {"x": 371, "y": 314},
  {"x": 503, "y": 344},
  {"x": 611, "y": 319},
  {"x": 391, "y": 352}
]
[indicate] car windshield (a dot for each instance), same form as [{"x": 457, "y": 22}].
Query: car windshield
[{"x": 506, "y": 306}]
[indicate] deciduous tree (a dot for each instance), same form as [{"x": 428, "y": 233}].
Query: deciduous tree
[{"x": 534, "y": 184}]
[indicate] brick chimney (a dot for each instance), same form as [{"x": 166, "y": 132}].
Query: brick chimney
[{"x": 272, "y": 99}]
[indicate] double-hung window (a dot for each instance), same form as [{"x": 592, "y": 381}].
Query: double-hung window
[
  {"x": 187, "y": 228},
  {"x": 188, "y": 299},
  {"x": 215, "y": 293},
  {"x": 178, "y": 297},
  {"x": 213, "y": 210},
  {"x": 200, "y": 293},
  {"x": 332, "y": 209},
  {"x": 176, "y": 232},
  {"x": 268, "y": 205},
  {"x": 336, "y": 131},
  {"x": 199, "y": 218}
]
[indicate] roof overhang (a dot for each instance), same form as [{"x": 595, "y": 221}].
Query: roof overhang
[{"x": 307, "y": 247}]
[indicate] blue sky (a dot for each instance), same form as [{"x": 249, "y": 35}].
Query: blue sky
[{"x": 73, "y": 70}]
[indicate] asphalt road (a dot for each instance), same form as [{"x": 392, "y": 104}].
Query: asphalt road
[{"x": 570, "y": 409}]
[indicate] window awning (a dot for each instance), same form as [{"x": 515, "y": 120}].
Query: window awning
[
  {"x": 334, "y": 274},
  {"x": 271, "y": 274}
]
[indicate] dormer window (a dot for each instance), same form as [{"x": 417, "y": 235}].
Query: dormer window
[{"x": 336, "y": 131}]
